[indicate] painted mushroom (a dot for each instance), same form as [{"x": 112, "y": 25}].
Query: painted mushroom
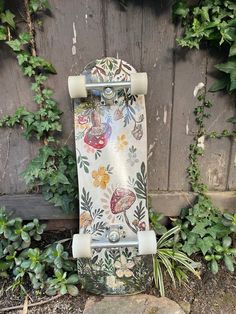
[
  {"x": 121, "y": 200},
  {"x": 98, "y": 135}
]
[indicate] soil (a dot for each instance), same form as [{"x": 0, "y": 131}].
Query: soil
[{"x": 213, "y": 294}]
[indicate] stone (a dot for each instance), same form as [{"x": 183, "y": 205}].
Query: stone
[
  {"x": 185, "y": 306},
  {"x": 138, "y": 304}
]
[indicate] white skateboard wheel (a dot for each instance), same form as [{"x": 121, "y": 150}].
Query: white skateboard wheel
[
  {"x": 139, "y": 83},
  {"x": 147, "y": 242},
  {"x": 77, "y": 86},
  {"x": 81, "y": 245}
]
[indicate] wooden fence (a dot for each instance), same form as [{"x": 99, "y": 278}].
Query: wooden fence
[{"x": 82, "y": 30}]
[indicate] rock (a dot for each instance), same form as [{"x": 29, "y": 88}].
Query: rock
[
  {"x": 138, "y": 304},
  {"x": 185, "y": 306}
]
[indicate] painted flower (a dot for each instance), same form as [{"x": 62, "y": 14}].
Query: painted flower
[
  {"x": 122, "y": 142},
  {"x": 123, "y": 267},
  {"x": 81, "y": 121},
  {"x": 85, "y": 219},
  {"x": 89, "y": 149},
  {"x": 101, "y": 177},
  {"x": 118, "y": 114},
  {"x": 142, "y": 226},
  {"x": 132, "y": 156},
  {"x": 137, "y": 132},
  {"x": 113, "y": 283}
]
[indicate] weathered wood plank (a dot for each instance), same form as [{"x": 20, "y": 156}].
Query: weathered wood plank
[
  {"x": 123, "y": 31},
  {"x": 216, "y": 159},
  {"x": 30, "y": 206},
  {"x": 70, "y": 39},
  {"x": 158, "y": 38},
  {"x": 169, "y": 203},
  {"x": 190, "y": 68},
  {"x": 15, "y": 152},
  {"x": 232, "y": 167}
]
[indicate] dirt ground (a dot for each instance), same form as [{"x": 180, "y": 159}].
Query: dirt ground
[{"x": 210, "y": 295}]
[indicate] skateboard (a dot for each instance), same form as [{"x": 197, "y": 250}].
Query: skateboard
[{"x": 114, "y": 245}]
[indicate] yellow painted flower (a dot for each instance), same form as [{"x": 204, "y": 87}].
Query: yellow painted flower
[
  {"x": 101, "y": 177},
  {"x": 122, "y": 142}
]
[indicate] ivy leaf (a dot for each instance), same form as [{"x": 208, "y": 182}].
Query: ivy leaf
[
  {"x": 48, "y": 67},
  {"x": 14, "y": 44},
  {"x": 3, "y": 33},
  {"x": 25, "y": 38},
  {"x": 232, "y": 120},
  {"x": 8, "y": 18},
  {"x": 1, "y": 5},
  {"x": 232, "y": 80},
  {"x": 22, "y": 57},
  {"x": 205, "y": 244},
  {"x": 219, "y": 84},
  {"x": 232, "y": 51},
  {"x": 227, "y": 67},
  {"x": 180, "y": 9},
  {"x": 29, "y": 71}
]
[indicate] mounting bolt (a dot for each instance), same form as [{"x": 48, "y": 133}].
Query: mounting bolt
[{"x": 114, "y": 236}]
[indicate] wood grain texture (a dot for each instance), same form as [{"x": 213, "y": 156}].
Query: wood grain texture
[
  {"x": 216, "y": 160},
  {"x": 232, "y": 167},
  {"x": 123, "y": 31},
  {"x": 157, "y": 59},
  {"x": 190, "y": 68},
  {"x": 33, "y": 206},
  {"x": 71, "y": 38},
  {"x": 15, "y": 152},
  {"x": 80, "y": 31}
]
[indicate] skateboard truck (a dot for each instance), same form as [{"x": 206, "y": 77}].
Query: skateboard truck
[
  {"x": 114, "y": 238},
  {"x": 78, "y": 86}
]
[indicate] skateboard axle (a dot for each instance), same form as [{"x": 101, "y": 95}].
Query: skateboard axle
[
  {"x": 101, "y": 85},
  {"x": 107, "y": 244}
]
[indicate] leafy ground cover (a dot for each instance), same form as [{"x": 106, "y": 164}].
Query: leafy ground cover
[{"x": 212, "y": 294}]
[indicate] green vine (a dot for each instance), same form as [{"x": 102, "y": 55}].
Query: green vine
[
  {"x": 214, "y": 22},
  {"x": 53, "y": 171},
  {"x": 204, "y": 228}
]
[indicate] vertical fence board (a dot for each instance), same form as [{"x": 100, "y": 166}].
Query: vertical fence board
[
  {"x": 80, "y": 31},
  {"x": 157, "y": 60},
  {"x": 15, "y": 152},
  {"x": 232, "y": 168},
  {"x": 190, "y": 67},
  {"x": 216, "y": 159},
  {"x": 70, "y": 39},
  {"x": 123, "y": 31}
]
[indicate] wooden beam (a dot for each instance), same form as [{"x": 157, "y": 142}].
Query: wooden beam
[{"x": 29, "y": 206}]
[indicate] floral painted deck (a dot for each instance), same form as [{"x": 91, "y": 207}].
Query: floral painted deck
[{"x": 111, "y": 149}]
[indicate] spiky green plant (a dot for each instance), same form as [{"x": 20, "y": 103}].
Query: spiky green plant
[{"x": 168, "y": 257}]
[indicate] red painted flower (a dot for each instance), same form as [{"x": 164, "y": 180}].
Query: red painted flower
[{"x": 82, "y": 119}]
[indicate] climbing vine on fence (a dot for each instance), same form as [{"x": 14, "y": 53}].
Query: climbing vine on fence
[
  {"x": 53, "y": 170},
  {"x": 212, "y": 22},
  {"x": 203, "y": 227}
]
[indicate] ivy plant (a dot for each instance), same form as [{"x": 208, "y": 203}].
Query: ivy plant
[
  {"x": 203, "y": 227},
  {"x": 53, "y": 170},
  {"x": 214, "y": 22}
]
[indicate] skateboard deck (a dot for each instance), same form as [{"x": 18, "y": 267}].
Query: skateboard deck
[{"x": 111, "y": 152}]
